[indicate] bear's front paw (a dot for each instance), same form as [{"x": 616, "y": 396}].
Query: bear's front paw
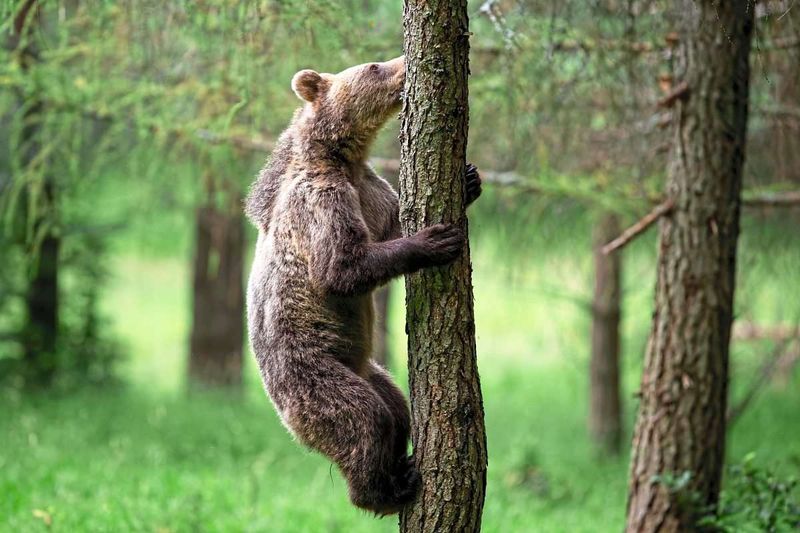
[
  {"x": 440, "y": 244},
  {"x": 472, "y": 183}
]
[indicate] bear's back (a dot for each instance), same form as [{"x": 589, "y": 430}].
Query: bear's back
[{"x": 288, "y": 315}]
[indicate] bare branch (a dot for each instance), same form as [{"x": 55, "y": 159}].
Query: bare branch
[
  {"x": 750, "y": 331},
  {"x": 778, "y": 199},
  {"x": 239, "y": 141},
  {"x": 489, "y": 176},
  {"x": 780, "y": 111},
  {"x": 606, "y": 45},
  {"x": 390, "y": 166},
  {"x": 782, "y": 43},
  {"x": 783, "y": 355},
  {"x": 680, "y": 91},
  {"x": 645, "y": 222}
]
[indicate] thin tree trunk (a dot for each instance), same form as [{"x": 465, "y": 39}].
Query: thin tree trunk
[
  {"x": 381, "y": 343},
  {"x": 447, "y": 409},
  {"x": 679, "y": 441},
  {"x": 605, "y": 410},
  {"x": 217, "y": 319}
]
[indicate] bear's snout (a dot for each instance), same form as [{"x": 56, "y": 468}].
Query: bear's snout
[{"x": 397, "y": 68}]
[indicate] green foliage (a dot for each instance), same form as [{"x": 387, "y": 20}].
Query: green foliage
[
  {"x": 756, "y": 498},
  {"x": 688, "y": 500},
  {"x": 88, "y": 352}
]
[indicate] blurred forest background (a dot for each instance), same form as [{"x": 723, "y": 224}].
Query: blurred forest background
[{"x": 130, "y": 131}]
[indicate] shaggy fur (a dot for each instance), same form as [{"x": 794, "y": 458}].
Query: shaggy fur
[{"x": 328, "y": 235}]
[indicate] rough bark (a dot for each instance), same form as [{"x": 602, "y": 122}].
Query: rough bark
[
  {"x": 681, "y": 422},
  {"x": 605, "y": 410},
  {"x": 381, "y": 342},
  {"x": 218, "y": 299},
  {"x": 447, "y": 409}
]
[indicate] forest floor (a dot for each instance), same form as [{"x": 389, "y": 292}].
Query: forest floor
[{"x": 148, "y": 455}]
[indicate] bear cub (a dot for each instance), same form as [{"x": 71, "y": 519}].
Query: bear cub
[{"x": 329, "y": 234}]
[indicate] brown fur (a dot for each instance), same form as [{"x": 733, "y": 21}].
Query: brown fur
[{"x": 328, "y": 236}]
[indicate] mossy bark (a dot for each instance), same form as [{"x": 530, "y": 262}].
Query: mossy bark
[
  {"x": 680, "y": 431},
  {"x": 447, "y": 409}
]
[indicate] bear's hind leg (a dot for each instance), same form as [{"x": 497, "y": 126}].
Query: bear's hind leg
[
  {"x": 406, "y": 475},
  {"x": 391, "y": 394},
  {"x": 337, "y": 412}
]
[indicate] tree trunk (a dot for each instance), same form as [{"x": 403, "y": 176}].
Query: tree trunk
[
  {"x": 447, "y": 409},
  {"x": 679, "y": 441},
  {"x": 605, "y": 411},
  {"x": 217, "y": 320},
  {"x": 381, "y": 354},
  {"x": 40, "y": 332},
  {"x": 41, "y": 302}
]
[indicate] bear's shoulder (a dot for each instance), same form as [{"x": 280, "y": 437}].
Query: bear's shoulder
[
  {"x": 323, "y": 182},
  {"x": 309, "y": 190}
]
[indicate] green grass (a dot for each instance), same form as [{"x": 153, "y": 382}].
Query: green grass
[{"x": 149, "y": 456}]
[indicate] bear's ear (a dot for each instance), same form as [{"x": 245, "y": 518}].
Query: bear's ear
[{"x": 307, "y": 84}]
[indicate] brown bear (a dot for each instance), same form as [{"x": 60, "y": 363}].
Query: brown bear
[{"x": 329, "y": 234}]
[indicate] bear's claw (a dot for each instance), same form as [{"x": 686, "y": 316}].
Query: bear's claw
[{"x": 472, "y": 183}]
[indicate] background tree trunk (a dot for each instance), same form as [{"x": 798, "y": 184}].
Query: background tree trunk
[
  {"x": 381, "y": 344},
  {"x": 383, "y": 296},
  {"x": 680, "y": 430},
  {"x": 40, "y": 332},
  {"x": 217, "y": 319},
  {"x": 41, "y": 302},
  {"x": 605, "y": 411},
  {"x": 447, "y": 409}
]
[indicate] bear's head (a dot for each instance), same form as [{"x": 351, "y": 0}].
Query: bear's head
[{"x": 350, "y": 107}]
